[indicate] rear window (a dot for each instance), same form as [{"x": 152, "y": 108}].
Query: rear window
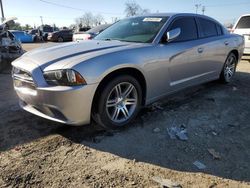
[
  {"x": 243, "y": 23},
  {"x": 208, "y": 28}
]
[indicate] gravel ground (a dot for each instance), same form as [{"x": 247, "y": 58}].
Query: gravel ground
[{"x": 38, "y": 153}]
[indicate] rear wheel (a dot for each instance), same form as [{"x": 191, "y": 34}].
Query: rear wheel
[
  {"x": 119, "y": 102},
  {"x": 229, "y": 68}
]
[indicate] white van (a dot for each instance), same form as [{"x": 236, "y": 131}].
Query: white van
[{"x": 242, "y": 27}]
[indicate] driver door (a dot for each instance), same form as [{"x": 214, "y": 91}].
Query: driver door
[{"x": 184, "y": 68}]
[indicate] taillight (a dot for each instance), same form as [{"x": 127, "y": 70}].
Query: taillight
[{"x": 87, "y": 37}]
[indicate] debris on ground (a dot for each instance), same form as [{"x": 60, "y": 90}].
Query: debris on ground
[
  {"x": 214, "y": 133},
  {"x": 157, "y": 106},
  {"x": 215, "y": 154},
  {"x": 156, "y": 130},
  {"x": 235, "y": 88},
  {"x": 166, "y": 183},
  {"x": 199, "y": 165},
  {"x": 178, "y": 133}
]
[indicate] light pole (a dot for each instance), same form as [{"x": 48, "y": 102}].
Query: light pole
[
  {"x": 197, "y": 6},
  {"x": 41, "y": 20},
  {"x": 1, "y": 4},
  {"x": 203, "y": 10}
]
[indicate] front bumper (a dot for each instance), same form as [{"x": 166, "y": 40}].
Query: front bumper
[
  {"x": 64, "y": 104},
  {"x": 69, "y": 105}
]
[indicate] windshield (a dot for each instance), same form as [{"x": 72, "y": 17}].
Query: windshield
[
  {"x": 244, "y": 23},
  {"x": 138, "y": 29}
]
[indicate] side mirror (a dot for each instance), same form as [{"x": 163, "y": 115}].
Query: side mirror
[{"x": 173, "y": 34}]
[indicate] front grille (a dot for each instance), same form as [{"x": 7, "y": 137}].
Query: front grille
[{"x": 22, "y": 78}]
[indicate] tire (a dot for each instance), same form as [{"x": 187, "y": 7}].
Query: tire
[
  {"x": 229, "y": 68},
  {"x": 60, "y": 39},
  {"x": 124, "y": 94}
]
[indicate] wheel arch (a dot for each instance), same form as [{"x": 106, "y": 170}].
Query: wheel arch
[
  {"x": 137, "y": 74},
  {"x": 236, "y": 53}
]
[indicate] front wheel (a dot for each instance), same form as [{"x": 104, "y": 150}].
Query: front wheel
[
  {"x": 229, "y": 68},
  {"x": 60, "y": 39},
  {"x": 119, "y": 102}
]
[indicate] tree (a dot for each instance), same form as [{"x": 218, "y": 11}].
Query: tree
[
  {"x": 98, "y": 19},
  {"x": 27, "y": 27},
  {"x": 15, "y": 26},
  {"x": 89, "y": 20},
  {"x": 133, "y": 9}
]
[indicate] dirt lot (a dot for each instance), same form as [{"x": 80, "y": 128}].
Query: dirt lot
[{"x": 38, "y": 153}]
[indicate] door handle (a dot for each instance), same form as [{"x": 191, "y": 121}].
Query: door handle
[
  {"x": 226, "y": 43},
  {"x": 200, "y": 50}
]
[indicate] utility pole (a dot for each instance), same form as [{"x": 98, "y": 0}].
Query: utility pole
[
  {"x": 41, "y": 20},
  {"x": 197, "y": 6},
  {"x": 1, "y": 4},
  {"x": 203, "y": 10}
]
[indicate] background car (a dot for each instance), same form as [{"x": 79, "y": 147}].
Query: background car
[
  {"x": 242, "y": 27},
  {"x": 38, "y": 35},
  {"x": 90, "y": 33},
  {"x": 23, "y": 36},
  {"x": 61, "y": 36}
]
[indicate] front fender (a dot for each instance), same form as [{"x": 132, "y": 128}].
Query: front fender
[{"x": 96, "y": 69}]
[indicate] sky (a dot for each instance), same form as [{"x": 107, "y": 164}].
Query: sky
[{"x": 29, "y": 11}]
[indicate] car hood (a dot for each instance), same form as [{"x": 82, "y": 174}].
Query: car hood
[{"x": 58, "y": 56}]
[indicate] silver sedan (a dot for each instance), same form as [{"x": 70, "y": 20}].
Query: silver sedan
[{"x": 133, "y": 63}]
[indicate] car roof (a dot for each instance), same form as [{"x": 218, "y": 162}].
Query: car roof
[
  {"x": 244, "y": 15},
  {"x": 16, "y": 31},
  {"x": 170, "y": 14}
]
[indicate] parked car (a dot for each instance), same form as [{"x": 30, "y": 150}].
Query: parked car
[
  {"x": 38, "y": 35},
  {"x": 61, "y": 36},
  {"x": 242, "y": 27},
  {"x": 47, "y": 30},
  {"x": 90, "y": 34},
  {"x": 23, "y": 36},
  {"x": 133, "y": 63},
  {"x": 10, "y": 46}
]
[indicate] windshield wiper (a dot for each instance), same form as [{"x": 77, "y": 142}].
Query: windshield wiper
[{"x": 121, "y": 40}]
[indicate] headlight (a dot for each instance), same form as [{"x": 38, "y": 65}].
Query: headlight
[{"x": 67, "y": 77}]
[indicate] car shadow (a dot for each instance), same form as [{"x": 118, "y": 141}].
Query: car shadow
[
  {"x": 228, "y": 138},
  {"x": 139, "y": 141}
]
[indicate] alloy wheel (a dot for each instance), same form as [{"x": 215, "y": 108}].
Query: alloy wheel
[
  {"x": 122, "y": 102},
  {"x": 229, "y": 68}
]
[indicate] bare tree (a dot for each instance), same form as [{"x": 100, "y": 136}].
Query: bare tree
[
  {"x": 98, "y": 19},
  {"x": 132, "y": 9},
  {"x": 89, "y": 20}
]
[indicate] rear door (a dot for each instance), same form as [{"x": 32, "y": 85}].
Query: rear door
[
  {"x": 214, "y": 45},
  {"x": 68, "y": 35},
  {"x": 242, "y": 27}
]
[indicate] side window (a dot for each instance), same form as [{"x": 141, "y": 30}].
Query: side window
[
  {"x": 208, "y": 28},
  {"x": 188, "y": 29},
  {"x": 219, "y": 30}
]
